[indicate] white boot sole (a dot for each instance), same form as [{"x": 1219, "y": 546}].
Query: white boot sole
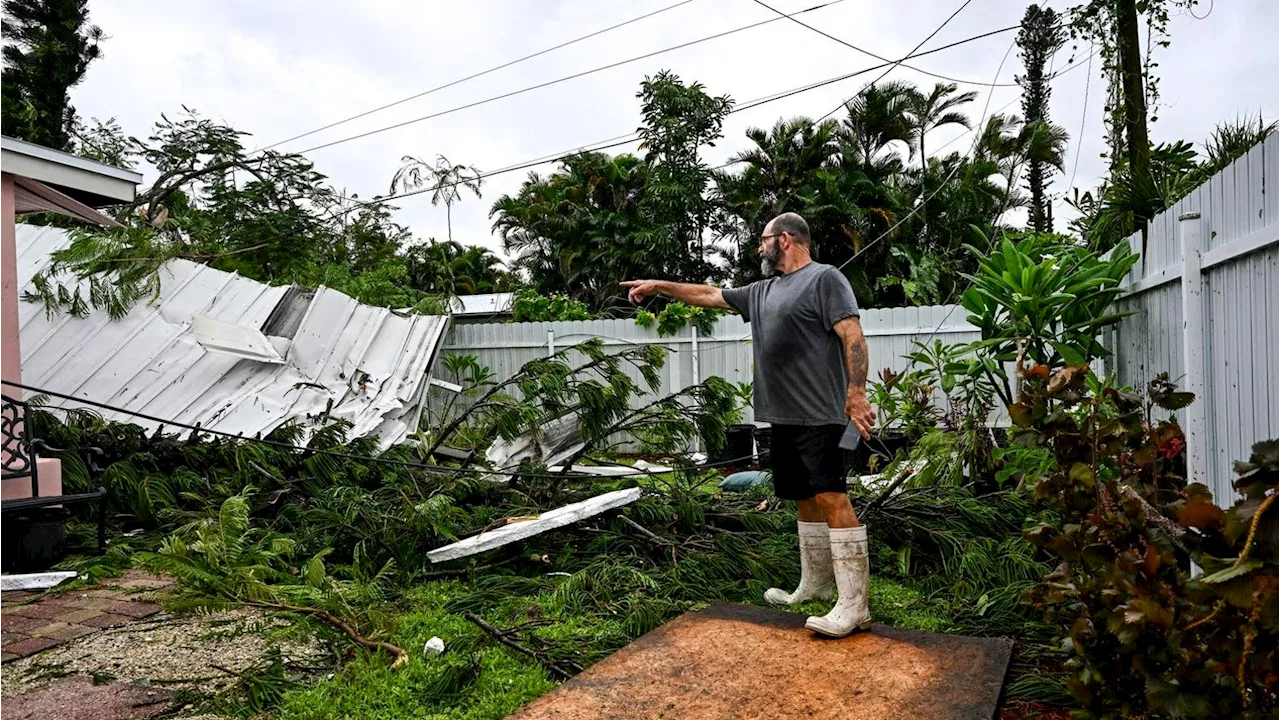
[
  {"x": 784, "y": 598},
  {"x": 834, "y": 634}
]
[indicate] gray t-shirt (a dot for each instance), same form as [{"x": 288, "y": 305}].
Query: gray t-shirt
[{"x": 799, "y": 359}]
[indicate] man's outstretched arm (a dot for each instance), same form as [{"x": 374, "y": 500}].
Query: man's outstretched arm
[{"x": 697, "y": 295}]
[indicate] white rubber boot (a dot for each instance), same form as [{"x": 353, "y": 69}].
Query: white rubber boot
[
  {"x": 849, "y": 559},
  {"x": 816, "y": 576}
]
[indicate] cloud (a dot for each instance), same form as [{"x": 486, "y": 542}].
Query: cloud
[{"x": 276, "y": 69}]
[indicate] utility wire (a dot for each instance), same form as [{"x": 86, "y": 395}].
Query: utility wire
[
  {"x": 1084, "y": 114},
  {"x": 332, "y": 453},
  {"x": 482, "y": 73},
  {"x": 850, "y": 45},
  {"x": 911, "y": 54},
  {"x": 977, "y": 135},
  {"x": 741, "y": 108},
  {"x": 631, "y": 138},
  {"x": 566, "y": 78}
]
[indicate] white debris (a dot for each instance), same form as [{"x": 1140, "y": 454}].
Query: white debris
[
  {"x": 549, "y": 520},
  {"x": 552, "y": 443},
  {"x": 434, "y": 647},
  {"x": 654, "y": 467},
  {"x": 34, "y": 581}
]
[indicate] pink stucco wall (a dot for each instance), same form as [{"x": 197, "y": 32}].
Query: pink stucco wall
[{"x": 50, "y": 470}]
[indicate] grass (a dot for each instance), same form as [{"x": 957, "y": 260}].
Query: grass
[{"x": 427, "y": 688}]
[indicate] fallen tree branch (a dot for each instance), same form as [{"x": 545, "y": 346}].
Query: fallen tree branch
[
  {"x": 907, "y": 471},
  {"x": 551, "y": 666},
  {"x": 649, "y": 534},
  {"x": 1175, "y": 533},
  {"x": 397, "y": 652}
]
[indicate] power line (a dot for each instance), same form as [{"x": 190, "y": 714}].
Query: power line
[
  {"x": 747, "y": 106},
  {"x": 1084, "y": 113},
  {"x": 332, "y": 453},
  {"x": 566, "y": 78},
  {"x": 631, "y": 138},
  {"x": 909, "y": 55},
  {"x": 850, "y": 45},
  {"x": 480, "y": 74}
]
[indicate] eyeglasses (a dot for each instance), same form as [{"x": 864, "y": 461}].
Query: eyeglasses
[{"x": 772, "y": 235}]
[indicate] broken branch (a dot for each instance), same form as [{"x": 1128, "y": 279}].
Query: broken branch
[
  {"x": 551, "y": 666},
  {"x": 397, "y": 652},
  {"x": 650, "y": 535}
]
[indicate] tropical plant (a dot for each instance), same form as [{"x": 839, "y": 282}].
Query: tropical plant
[
  {"x": 581, "y": 230},
  {"x": 1043, "y": 301},
  {"x": 1145, "y": 637},
  {"x": 447, "y": 180},
  {"x": 677, "y": 120},
  {"x": 1232, "y": 139},
  {"x": 529, "y": 306},
  {"x": 449, "y": 268},
  {"x": 877, "y": 118},
  {"x": 928, "y": 111},
  {"x": 676, "y": 316}
]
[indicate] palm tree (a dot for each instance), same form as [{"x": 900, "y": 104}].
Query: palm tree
[
  {"x": 447, "y": 177},
  {"x": 1013, "y": 145},
  {"x": 877, "y": 118},
  {"x": 785, "y": 158},
  {"x": 927, "y": 113},
  {"x": 582, "y": 229},
  {"x": 449, "y": 268}
]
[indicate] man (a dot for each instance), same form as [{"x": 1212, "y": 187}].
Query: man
[{"x": 810, "y": 382}]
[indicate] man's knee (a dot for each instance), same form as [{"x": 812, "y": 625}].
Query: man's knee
[{"x": 833, "y": 501}]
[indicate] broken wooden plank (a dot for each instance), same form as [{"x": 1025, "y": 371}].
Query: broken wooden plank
[{"x": 549, "y": 520}]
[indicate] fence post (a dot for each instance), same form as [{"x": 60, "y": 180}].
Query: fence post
[
  {"x": 697, "y": 372},
  {"x": 551, "y": 342},
  {"x": 1193, "y": 312}
]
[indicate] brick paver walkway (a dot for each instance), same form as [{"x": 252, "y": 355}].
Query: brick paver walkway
[{"x": 29, "y": 625}]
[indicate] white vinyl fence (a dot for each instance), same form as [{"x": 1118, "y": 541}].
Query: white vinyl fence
[
  {"x": 1205, "y": 301},
  {"x": 693, "y": 357}
]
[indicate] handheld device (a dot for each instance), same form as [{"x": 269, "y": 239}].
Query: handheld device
[{"x": 851, "y": 438}]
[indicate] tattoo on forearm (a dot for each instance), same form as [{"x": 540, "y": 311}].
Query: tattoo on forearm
[{"x": 856, "y": 362}]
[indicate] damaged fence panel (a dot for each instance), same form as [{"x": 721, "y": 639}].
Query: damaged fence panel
[{"x": 549, "y": 520}]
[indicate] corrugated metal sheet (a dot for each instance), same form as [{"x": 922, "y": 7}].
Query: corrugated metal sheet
[
  {"x": 484, "y": 304},
  {"x": 366, "y": 364},
  {"x": 1239, "y": 207}
]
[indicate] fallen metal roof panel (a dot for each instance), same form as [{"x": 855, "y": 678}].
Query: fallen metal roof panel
[{"x": 364, "y": 364}]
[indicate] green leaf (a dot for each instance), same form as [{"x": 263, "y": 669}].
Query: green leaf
[
  {"x": 313, "y": 573},
  {"x": 1082, "y": 474},
  {"x": 1234, "y": 571},
  {"x": 1071, "y": 354}
]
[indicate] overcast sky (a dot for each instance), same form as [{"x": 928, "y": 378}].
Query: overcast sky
[{"x": 283, "y": 67}]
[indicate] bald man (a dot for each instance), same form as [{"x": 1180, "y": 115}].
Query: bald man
[{"x": 810, "y": 384}]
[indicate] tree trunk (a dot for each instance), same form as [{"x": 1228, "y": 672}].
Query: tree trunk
[
  {"x": 1039, "y": 203},
  {"x": 1135, "y": 99},
  {"x": 924, "y": 173}
]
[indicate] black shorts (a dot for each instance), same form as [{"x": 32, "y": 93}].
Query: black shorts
[{"x": 807, "y": 460}]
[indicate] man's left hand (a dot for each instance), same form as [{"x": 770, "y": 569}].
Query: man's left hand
[{"x": 858, "y": 409}]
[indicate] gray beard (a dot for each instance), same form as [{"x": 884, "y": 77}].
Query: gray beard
[{"x": 769, "y": 264}]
